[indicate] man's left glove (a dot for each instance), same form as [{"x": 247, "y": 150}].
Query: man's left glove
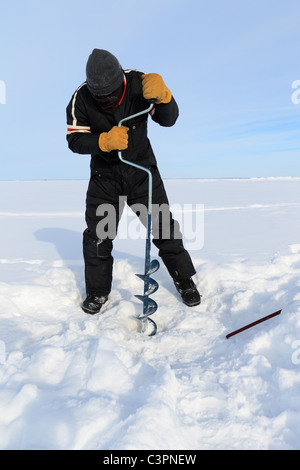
[{"x": 154, "y": 88}]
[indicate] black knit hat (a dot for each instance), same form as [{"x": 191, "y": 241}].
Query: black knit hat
[{"x": 104, "y": 74}]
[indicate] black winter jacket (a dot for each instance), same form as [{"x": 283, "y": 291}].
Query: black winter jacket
[{"x": 86, "y": 121}]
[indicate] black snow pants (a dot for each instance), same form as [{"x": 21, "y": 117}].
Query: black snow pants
[{"x": 106, "y": 189}]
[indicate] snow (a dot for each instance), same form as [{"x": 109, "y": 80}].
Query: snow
[{"x": 73, "y": 381}]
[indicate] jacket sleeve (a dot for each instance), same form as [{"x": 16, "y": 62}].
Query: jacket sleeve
[
  {"x": 79, "y": 136},
  {"x": 166, "y": 114}
]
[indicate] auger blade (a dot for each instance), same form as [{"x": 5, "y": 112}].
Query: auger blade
[
  {"x": 149, "y": 307},
  {"x": 150, "y": 284},
  {"x": 154, "y": 266},
  {"x": 148, "y": 327}
]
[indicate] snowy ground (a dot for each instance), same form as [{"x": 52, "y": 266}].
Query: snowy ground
[{"x": 71, "y": 381}]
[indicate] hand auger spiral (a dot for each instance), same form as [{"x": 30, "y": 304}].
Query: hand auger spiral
[{"x": 150, "y": 285}]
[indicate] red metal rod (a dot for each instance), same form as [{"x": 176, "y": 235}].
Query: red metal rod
[{"x": 253, "y": 324}]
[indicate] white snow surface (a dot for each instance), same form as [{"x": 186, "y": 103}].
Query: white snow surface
[{"x": 73, "y": 381}]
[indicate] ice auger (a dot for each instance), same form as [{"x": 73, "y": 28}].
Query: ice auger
[{"x": 150, "y": 285}]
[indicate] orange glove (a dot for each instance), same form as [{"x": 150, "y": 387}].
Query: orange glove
[
  {"x": 155, "y": 88},
  {"x": 115, "y": 139}
]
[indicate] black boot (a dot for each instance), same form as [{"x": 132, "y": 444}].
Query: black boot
[
  {"x": 93, "y": 304},
  {"x": 188, "y": 291}
]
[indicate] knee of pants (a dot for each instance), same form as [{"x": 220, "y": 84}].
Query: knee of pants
[{"x": 96, "y": 248}]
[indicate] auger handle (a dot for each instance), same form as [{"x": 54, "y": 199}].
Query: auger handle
[{"x": 135, "y": 164}]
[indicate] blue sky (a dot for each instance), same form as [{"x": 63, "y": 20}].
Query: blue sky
[{"x": 230, "y": 66}]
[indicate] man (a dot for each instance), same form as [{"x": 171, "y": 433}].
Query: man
[{"x": 108, "y": 95}]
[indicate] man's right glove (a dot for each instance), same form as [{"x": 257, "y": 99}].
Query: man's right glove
[{"x": 115, "y": 139}]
